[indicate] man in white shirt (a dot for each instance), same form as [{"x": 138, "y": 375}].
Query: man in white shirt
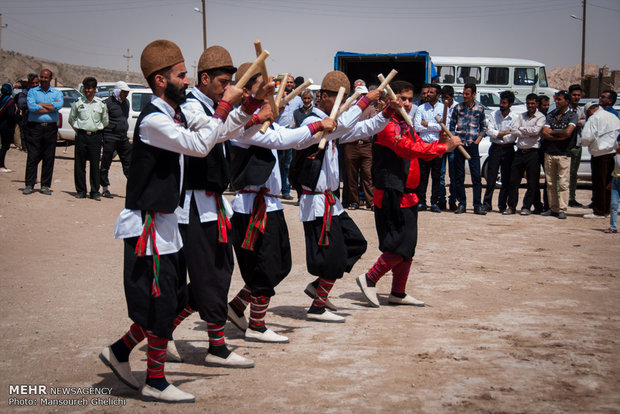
[
  {"x": 447, "y": 98},
  {"x": 501, "y": 152},
  {"x": 599, "y": 134},
  {"x": 526, "y": 130},
  {"x": 428, "y": 129}
]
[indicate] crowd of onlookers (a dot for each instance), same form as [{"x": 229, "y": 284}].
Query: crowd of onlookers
[
  {"x": 521, "y": 143},
  {"x": 99, "y": 125}
]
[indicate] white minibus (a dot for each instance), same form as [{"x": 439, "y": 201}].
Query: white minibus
[{"x": 521, "y": 76}]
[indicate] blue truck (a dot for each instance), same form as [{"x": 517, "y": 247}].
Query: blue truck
[{"x": 415, "y": 67}]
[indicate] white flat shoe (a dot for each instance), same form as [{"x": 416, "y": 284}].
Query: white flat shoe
[
  {"x": 267, "y": 336},
  {"x": 407, "y": 300},
  {"x": 326, "y": 316},
  {"x": 311, "y": 292},
  {"x": 233, "y": 361},
  {"x": 239, "y": 321},
  {"x": 172, "y": 354},
  {"x": 370, "y": 293},
  {"x": 170, "y": 394},
  {"x": 122, "y": 370}
]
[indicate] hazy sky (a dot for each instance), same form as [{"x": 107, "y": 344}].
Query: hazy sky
[{"x": 303, "y": 36}]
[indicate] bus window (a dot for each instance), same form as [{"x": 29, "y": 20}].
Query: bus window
[
  {"x": 469, "y": 74},
  {"x": 525, "y": 76},
  {"x": 542, "y": 78},
  {"x": 496, "y": 76},
  {"x": 446, "y": 74}
]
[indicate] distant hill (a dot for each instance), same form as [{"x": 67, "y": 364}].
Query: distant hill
[
  {"x": 15, "y": 66},
  {"x": 562, "y": 78}
]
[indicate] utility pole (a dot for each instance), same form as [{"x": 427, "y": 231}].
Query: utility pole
[
  {"x": 583, "y": 41},
  {"x": 127, "y": 56},
  {"x": 1, "y": 27},
  {"x": 204, "y": 24}
]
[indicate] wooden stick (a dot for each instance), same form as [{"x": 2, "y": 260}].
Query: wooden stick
[
  {"x": 392, "y": 96},
  {"x": 342, "y": 109},
  {"x": 248, "y": 74},
  {"x": 447, "y": 131},
  {"x": 347, "y": 104},
  {"x": 296, "y": 92},
  {"x": 386, "y": 81},
  {"x": 279, "y": 96},
  {"x": 263, "y": 69},
  {"x": 333, "y": 114}
]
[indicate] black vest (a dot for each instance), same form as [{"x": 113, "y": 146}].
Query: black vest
[
  {"x": 211, "y": 173},
  {"x": 389, "y": 171},
  {"x": 306, "y": 164},
  {"x": 154, "y": 174},
  {"x": 250, "y": 166}
]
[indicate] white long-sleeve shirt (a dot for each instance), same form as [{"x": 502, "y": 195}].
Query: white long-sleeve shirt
[
  {"x": 496, "y": 123},
  {"x": 600, "y": 133},
  {"x": 526, "y": 130},
  {"x": 159, "y": 130},
  {"x": 428, "y": 112}
]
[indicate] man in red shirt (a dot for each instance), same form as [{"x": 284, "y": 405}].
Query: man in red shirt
[{"x": 397, "y": 175}]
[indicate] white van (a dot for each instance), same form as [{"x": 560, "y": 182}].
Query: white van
[{"x": 521, "y": 76}]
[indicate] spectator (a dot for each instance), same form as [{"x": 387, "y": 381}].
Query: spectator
[
  {"x": 501, "y": 152},
  {"x": 43, "y": 105},
  {"x": 557, "y": 133},
  {"x": 115, "y": 137},
  {"x": 428, "y": 129},
  {"x": 600, "y": 133},
  {"x": 575, "y": 93},
  {"x": 89, "y": 115},
  {"x": 543, "y": 104},
  {"x": 615, "y": 192},
  {"x": 468, "y": 123},
  {"x": 306, "y": 108},
  {"x": 299, "y": 81},
  {"x": 286, "y": 120},
  {"x": 607, "y": 100},
  {"x": 526, "y": 130},
  {"x": 357, "y": 161},
  {"x": 543, "y": 107},
  {"x": 8, "y": 119},
  {"x": 21, "y": 100},
  {"x": 447, "y": 98}
]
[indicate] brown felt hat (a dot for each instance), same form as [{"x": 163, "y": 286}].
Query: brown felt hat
[
  {"x": 244, "y": 68},
  {"x": 334, "y": 80},
  {"x": 215, "y": 57},
  {"x": 158, "y": 55}
]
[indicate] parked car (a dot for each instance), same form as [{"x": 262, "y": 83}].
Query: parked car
[
  {"x": 65, "y": 131},
  {"x": 138, "y": 99},
  {"x": 71, "y": 92}
]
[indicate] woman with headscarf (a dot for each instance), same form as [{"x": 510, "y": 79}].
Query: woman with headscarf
[{"x": 8, "y": 119}]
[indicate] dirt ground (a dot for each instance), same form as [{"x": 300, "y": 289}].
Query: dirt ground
[{"x": 523, "y": 316}]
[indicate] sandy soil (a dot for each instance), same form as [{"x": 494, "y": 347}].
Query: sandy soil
[{"x": 523, "y": 316}]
